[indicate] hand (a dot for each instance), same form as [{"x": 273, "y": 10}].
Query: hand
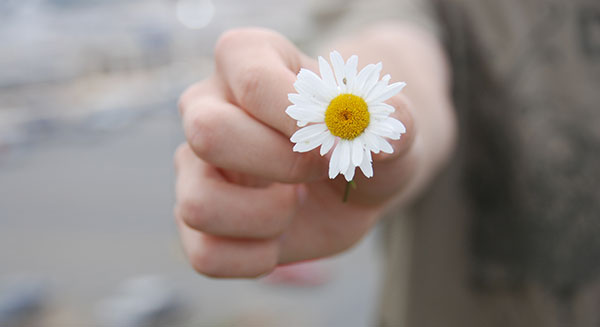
[{"x": 245, "y": 201}]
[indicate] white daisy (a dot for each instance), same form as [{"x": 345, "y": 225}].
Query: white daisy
[{"x": 346, "y": 110}]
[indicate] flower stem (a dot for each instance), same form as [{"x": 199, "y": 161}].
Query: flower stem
[{"x": 347, "y": 190}]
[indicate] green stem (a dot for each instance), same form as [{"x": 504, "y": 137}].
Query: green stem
[{"x": 347, "y": 190}]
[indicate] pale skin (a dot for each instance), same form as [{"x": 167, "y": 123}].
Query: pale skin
[{"x": 247, "y": 203}]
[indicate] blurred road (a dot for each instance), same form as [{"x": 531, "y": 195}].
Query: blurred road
[{"x": 86, "y": 211}]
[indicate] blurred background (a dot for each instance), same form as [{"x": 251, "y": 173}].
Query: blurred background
[{"x": 88, "y": 126}]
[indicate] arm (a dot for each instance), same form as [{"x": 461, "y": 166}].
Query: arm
[{"x": 246, "y": 202}]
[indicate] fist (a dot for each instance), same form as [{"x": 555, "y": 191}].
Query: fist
[{"x": 245, "y": 201}]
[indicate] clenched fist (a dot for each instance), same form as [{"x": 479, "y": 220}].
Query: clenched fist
[{"x": 245, "y": 201}]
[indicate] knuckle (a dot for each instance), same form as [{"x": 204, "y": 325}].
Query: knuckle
[
  {"x": 229, "y": 40},
  {"x": 271, "y": 259},
  {"x": 267, "y": 265},
  {"x": 180, "y": 153},
  {"x": 238, "y": 37},
  {"x": 200, "y": 131},
  {"x": 210, "y": 259},
  {"x": 281, "y": 212},
  {"x": 274, "y": 226},
  {"x": 194, "y": 212},
  {"x": 205, "y": 260},
  {"x": 251, "y": 81},
  {"x": 301, "y": 168},
  {"x": 249, "y": 76},
  {"x": 265, "y": 262},
  {"x": 189, "y": 95},
  {"x": 185, "y": 99}
]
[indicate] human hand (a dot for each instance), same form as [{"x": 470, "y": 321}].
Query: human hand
[{"x": 245, "y": 201}]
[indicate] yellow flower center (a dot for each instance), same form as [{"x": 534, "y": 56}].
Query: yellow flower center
[{"x": 347, "y": 116}]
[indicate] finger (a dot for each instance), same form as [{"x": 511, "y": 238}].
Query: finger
[
  {"x": 402, "y": 113},
  {"x": 208, "y": 203},
  {"x": 260, "y": 69},
  {"x": 229, "y": 138},
  {"x": 209, "y": 86},
  {"x": 325, "y": 227},
  {"x": 227, "y": 257}
]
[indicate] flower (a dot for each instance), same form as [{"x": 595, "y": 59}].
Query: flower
[{"x": 346, "y": 111}]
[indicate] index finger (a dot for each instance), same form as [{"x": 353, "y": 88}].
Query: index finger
[{"x": 260, "y": 68}]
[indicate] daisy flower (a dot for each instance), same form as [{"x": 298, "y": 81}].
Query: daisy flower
[{"x": 346, "y": 112}]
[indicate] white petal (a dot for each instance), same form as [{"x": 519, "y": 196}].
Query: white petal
[
  {"x": 308, "y": 114},
  {"x": 326, "y": 72},
  {"x": 381, "y": 108},
  {"x": 308, "y": 132},
  {"x": 338, "y": 69},
  {"x": 301, "y": 100},
  {"x": 372, "y": 80},
  {"x": 301, "y": 123},
  {"x": 309, "y": 85},
  {"x": 378, "y": 117},
  {"x": 384, "y": 145},
  {"x": 328, "y": 89},
  {"x": 357, "y": 152},
  {"x": 370, "y": 141},
  {"x": 350, "y": 72},
  {"x": 311, "y": 143},
  {"x": 382, "y": 129},
  {"x": 327, "y": 144},
  {"x": 388, "y": 92},
  {"x": 361, "y": 79},
  {"x": 311, "y": 91},
  {"x": 388, "y": 127},
  {"x": 366, "y": 166},
  {"x": 377, "y": 89},
  {"x": 308, "y": 91},
  {"x": 334, "y": 162},
  {"x": 344, "y": 155},
  {"x": 349, "y": 173},
  {"x": 396, "y": 125}
]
